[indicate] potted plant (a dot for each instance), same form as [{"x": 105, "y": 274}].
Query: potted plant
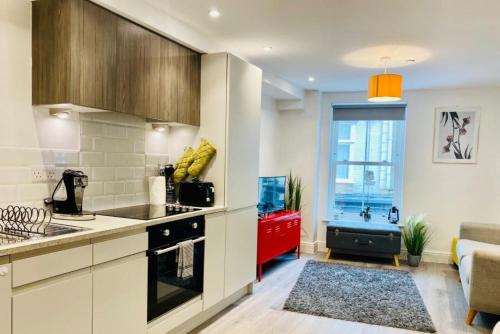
[
  {"x": 293, "y": 195},
  {"x": 416, "y": 236}
]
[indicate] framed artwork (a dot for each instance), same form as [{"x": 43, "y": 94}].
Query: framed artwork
[{"x": 456, "y": 134}]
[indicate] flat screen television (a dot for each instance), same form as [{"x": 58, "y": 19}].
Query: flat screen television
[{"x": 271, "y": 194}]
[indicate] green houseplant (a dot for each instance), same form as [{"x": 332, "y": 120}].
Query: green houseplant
[
  {"x": 293, "y": 194},
  {"x": 416, "y": 236}
]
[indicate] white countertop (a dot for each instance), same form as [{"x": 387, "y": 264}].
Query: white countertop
[{"x": 101, "y": 226}]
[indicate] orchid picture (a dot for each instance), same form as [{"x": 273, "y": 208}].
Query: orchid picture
[{"x": 456, "y": 135}]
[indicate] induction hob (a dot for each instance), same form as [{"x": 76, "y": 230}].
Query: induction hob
[{"x": 147, "y": 212}]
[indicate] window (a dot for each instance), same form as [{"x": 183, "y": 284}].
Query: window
[{"x": 366, "y": 163}]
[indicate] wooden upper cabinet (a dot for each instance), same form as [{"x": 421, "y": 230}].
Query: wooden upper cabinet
[
  {"x": 189, "y": 87},
  {"x": 88, "y": 56},
  {"x": 98, "y": 57},
  {"x": 138, "y": 70},
  {"x": 169, "y": 81},
  {"x": 56, "y": 30}
]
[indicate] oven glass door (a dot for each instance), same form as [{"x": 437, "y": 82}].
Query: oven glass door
[{"x": 165, "y": 290}]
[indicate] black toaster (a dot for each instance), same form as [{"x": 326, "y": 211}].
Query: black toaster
[{"x": 197, "y": 193}]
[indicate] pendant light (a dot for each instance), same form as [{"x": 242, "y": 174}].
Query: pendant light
[{"x": 385, "y": 87}]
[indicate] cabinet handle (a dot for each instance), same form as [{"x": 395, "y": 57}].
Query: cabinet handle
[{"x": 4, "y": 271}]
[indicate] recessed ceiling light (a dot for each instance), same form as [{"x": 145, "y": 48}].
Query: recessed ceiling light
[
  {"x": 214, "y": 13},
  {"x": 268, "y": 48},
  {"x": 311, "y": 79}
]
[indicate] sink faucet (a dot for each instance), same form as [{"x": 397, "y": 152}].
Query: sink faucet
[{"x": 366, "y": 213}]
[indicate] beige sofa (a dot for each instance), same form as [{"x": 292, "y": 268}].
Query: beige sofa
[{"x": 478, "y": 253}]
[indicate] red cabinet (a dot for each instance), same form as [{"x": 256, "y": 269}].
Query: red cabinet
[{"x": 278, "y": 234}]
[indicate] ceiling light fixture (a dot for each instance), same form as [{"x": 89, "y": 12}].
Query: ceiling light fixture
[
  {"x": 311, "y": 79},
  {"x": 268, "y": 48},
  {"x": 159, "y": 127},
  {"x": 214, "y": 13},
  {"x": 59, "y": 113},
  {"x": 385, "y": 87}
]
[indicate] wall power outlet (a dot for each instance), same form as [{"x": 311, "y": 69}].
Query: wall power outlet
[{"x": 43, "y": 174}]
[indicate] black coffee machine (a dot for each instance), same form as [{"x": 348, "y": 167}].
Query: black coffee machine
[{"x": 67, "y": 198}]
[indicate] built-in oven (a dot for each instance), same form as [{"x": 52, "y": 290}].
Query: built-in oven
[{"x": 165, "y": 289}]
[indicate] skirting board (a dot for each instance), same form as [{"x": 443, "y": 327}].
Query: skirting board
[
  {"x": 428, "y": 256},
  {"x": 308, "y": 247}
]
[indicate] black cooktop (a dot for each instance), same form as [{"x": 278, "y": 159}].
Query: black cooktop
[{"x": 147, "y": 212}]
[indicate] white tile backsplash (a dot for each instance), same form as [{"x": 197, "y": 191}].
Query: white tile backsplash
[
  {"x": 91, "y": 158},
  {"x": 112, "y": 154}
]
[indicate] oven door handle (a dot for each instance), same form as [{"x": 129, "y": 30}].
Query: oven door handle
[{"x": 172, "y": 248}]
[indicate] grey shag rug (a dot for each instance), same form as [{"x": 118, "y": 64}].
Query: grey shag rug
[{"x": 373, "y": 296}]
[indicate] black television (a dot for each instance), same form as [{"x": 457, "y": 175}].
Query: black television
[{"x": 271, "y": 194}]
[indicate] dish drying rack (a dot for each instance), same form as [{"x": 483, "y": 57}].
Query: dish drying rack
[{"x": 21, "y": 223}]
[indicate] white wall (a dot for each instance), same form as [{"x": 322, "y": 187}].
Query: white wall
[
  {"x": 269, "y": 161},
  {"x": 289, "y": 142},
  {"x": 447, "y": 193}
]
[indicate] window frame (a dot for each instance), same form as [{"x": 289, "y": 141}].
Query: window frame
[{"x": 397, "y": 163}]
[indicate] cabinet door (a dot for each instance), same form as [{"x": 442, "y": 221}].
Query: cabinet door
[
  {"x": 98, "y": 57},
  {"x": 5, "y": 296},
  {"x": 243, "y": 133},
  {"x": 120, "y": 296},
  {"x": 60, "y": 306},
  {"x": 138, "y": 79},
  {"x": 241, "y": 249},
  {"x": 169, "y": 80},
  {"x": 194, "y": 76},
  {"x": 56, "y": 40},
  {"x": 189, "y": 87},
  {"x": 215, "y": 250}
]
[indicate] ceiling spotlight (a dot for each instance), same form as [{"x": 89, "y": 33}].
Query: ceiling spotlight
[
  {"x": 59, "y": 113},
  {"x": 268, "y": 48},
  {"x": 214, "y": 13},
  {"x": 311, "y": 79},
  {"x": 159, "y": 127}
]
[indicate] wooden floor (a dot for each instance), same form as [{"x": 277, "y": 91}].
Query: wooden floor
[{"x": 262, "y": 312}]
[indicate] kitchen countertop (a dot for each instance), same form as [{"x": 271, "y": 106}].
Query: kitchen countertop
[{"x": 101, "y": 226}]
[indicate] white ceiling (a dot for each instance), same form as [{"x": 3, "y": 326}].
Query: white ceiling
[{"x": 456, "y": 43}]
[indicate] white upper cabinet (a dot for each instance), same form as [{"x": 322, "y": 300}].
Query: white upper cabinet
[
  {"x": 230, "y": 118},
  {"x": 243, "y": 134}
]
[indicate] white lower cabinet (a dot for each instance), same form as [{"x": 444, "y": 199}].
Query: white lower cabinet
[
  {"x": 58, "y": 306},
  {"x": 215, "y": 252},
  {"x": 5, "y": 297},
  {"x": 241, "y": 249},
  {"x": 120, "y": 296}
]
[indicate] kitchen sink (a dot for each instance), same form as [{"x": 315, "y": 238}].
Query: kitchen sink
[
  {"x": 51, "y": 230},
  {"x": 54, "y": 229}
]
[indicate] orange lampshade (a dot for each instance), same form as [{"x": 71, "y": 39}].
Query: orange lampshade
[{"x": 385, "y": 88}]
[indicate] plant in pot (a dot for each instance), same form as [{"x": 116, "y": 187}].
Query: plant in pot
[
  {"x": 293, "y": 194},
  {"x": 416, "y": 236}
]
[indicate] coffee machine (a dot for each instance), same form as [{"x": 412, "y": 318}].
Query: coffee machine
[{"x": 67, "y": 198}]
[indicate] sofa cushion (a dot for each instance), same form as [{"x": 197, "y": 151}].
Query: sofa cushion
[{"x": 466, "y": 247}]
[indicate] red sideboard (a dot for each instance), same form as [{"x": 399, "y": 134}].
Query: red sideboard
[{"x": 278, "y": 234}]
